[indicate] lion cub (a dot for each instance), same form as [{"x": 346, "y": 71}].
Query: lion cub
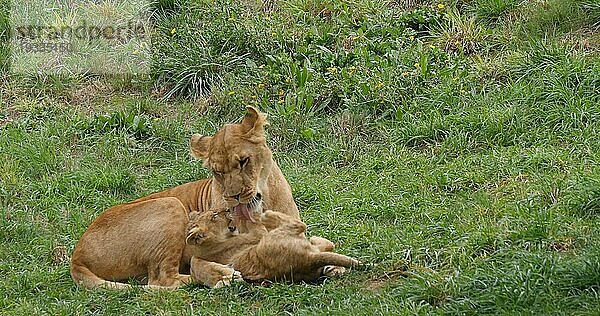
[
  {"x": 142, "y": 240},
  {"x": 275, "y": 248}
]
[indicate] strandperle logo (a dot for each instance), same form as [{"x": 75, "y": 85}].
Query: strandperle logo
[
  {"x": 132, "y": 30},
  {"x": 101, "y": 37}
]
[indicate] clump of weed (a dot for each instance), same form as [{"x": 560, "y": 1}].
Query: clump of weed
[
  {"x": 136, "y": 125},
  {"x": 559, "y": 17},
  {"x": 194, "y": 49},
  {"x": 592, "y": 12},
  {"x": 461, "y": 33},
  {"x": 421, "y": 19},
  {"x": 493, "y": 10}
]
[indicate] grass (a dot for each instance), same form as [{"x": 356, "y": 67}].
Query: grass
[
  {"x": 4, "y": 36},
  {"x": 454, "y": 149}
]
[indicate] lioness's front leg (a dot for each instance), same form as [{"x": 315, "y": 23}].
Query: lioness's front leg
[{"x": 212, "y": 274}]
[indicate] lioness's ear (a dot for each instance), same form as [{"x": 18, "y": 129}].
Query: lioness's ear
[
  {"x": 255, "y": 122},
  {"x": 199, "y": 146}
]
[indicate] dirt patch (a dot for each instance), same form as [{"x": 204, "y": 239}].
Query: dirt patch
[
  {"x": 584, "y": 39},
  {"x": 60, "y": 256},
  {"x": 562, "y": 245},
  {"x": 9, "y": 117},
  {"x": 379, "y": 282}
]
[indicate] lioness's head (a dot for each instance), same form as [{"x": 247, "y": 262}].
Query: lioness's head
[
  {"x": 240, "y": 161},
  {"x": 210, "y": 225}
]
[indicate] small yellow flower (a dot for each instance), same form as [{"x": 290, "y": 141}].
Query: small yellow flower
[
  {"x": 254, "y": 97},
  {"x": 261, "y": 85},
  {"x": 404, "y": 74},
  {"x": 231, "y": 92},
  {"x": 274, "y": 34},
  {"x": 462, "y": 91},
  {"x": 332, "y": 70},
  {"x": 231, "y": 19},
  {"x": 412, "y": 38},
  {"x": 431, "y": 46},
  {"x": 288, "y": 80},
  {"x": 135, "y": 52},
  {"x": 280, "y": 101},
  {"x": 457, "y": 43},
  {"x": 352, "y": 68},
  {"x": 173, "y": 31},
  {"x": 281, "y": 93},
  {"x": 441, "y": 6},
  {"x": 416, "y": 65},
  {"x": 261, "y": 66},
  {"x": 355, "y": 38},
  {"x": 379, "y": 85}
]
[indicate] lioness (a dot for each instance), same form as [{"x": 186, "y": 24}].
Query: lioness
[
  {"x": 274, "y": 248},
  {"x": 244, "y": 172},
  {"x": 245, "y": 177},
  {"x": 138, "y": 241}
]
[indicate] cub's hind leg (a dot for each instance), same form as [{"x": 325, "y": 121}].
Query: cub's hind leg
[
  {"x": 212, "y": 274},
  {"x": 334, "y": 264}
]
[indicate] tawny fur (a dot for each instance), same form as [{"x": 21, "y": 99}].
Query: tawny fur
[
  {"x": 282, "y": 253},
  {"x": 139, "y": 240},
  {"x": 231, "y": 183},
  {"x": 117, "y": 246},
  {"x": 108, "y": 254}
]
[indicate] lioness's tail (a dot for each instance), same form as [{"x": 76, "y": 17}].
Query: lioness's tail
[
  {"x": 82, "y": 275},
  {"x": 334, "y": 259}
]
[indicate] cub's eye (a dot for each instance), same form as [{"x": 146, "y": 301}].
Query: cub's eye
[{"x": 244, "y": 161}]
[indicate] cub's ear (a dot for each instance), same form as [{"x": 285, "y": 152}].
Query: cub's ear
[
  {"x": 199, "y": 146},
  {"x": 194, "y": 237},
  {"x": 193, "y": 215},
  {"x": 254, "y": 122}
]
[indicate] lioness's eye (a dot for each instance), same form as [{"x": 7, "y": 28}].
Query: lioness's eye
[{"x": 244, "y": 161}]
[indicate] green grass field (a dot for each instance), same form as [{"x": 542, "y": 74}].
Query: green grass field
[{"x": 454, "y": 147}]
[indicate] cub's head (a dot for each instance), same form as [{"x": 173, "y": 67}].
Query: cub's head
[
  {"x": 210, "y": 226},
  {"x": 240, "y": 161}
]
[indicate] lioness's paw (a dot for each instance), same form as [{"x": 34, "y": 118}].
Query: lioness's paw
[{"x": 332, "y": 271}]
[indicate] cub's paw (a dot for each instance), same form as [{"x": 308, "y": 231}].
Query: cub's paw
[
  {"x": 226, "y": 280},
  {"x": 212, "y": 274},
  {"x": 332, "y": 271},
  {"x": 271, "y": 219},
  {"x": 322, "y": 244}
]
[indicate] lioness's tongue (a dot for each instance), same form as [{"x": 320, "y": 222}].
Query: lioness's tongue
[{"x": 244, "y": 212}]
